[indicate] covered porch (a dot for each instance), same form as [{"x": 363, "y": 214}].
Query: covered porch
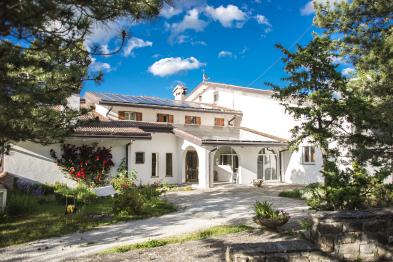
[{"x": 217, "y": 155}]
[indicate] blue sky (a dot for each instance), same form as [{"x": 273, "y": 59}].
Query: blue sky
[{"x": 232, "y": 40}]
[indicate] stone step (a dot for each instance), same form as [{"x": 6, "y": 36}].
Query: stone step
[{"x": 291, "y": 250}]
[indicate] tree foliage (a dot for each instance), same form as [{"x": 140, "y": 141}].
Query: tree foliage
[
  {"x": 44, "y": 60},
  {"x": 349, "y": 117}
]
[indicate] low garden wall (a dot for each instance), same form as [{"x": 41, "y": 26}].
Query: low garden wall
[{"x": 365, "y": 235}]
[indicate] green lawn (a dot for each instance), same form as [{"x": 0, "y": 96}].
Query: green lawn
[
  {"x": 204, "y": 234},
  {"x": 48, "y": 219}
]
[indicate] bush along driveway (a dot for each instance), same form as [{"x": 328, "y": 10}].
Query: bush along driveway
[{"x": 197, "y": 210}]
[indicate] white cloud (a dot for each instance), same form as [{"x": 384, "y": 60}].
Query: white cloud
[
  {"x": 102, "y": 33},
  {"x": 172, "y": 65},
  {"x": 308, "y": 9},
  {"x": 168, "y": 11},
  {"x": 134, "y": 43},
  {"x": 227, "y": 15},
  {"x": 190, "y": 21},
  {"x": 348, "y": 71},
  {"x": 262, "y": 20},
  {"x": 224, "y": 53},
  {"x": 96, "y": 66}
]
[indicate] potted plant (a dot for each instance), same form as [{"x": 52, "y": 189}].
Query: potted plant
[{"x": 267, "y": 216}]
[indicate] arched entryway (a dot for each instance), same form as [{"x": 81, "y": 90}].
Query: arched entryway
[
  {"x": 226, "y": 165},
  {"x": 267, "y": 165},
  {"x": 192, "y": 163}
]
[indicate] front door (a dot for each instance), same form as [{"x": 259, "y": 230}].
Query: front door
[
  {"x": 267, "y": 167},
  {"x": 191, "y": 166}
]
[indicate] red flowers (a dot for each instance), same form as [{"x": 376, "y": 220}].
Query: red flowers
[{"x": 90, "y": 163}]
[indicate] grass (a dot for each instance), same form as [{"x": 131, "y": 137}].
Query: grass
[
  {"x": 48, "y": 220},
  {"x": 204, "y": 234},
  {"x": 294, "y": 193}
]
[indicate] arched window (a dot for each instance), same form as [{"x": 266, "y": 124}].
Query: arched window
[{"x": 267, "y": 165}]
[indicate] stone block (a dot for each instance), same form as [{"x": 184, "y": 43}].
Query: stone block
[
  {"x": 298, "y": 258},
  {"x": 353, "y": 226},
  {"x": 326, "y": 243},
  {"x": 330, "y": 229},
  {"x": 374, "y": 226},
  {"x": 349, "y": 237},
  {"x": 277, "y": 258},
  {"x": 349, "y": 251},
  {"x": 369, "y": 248}
]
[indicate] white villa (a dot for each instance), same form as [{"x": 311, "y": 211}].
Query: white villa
[{"x": 218, "y": 133}]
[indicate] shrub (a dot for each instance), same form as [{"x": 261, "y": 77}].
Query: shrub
[
  {"x": 350, "y": 189},
  {"x": 81, "y": 193},
  {"x": 124, "y": 178},
  {"x": 294, "y": 193},
  {"x": 149, "y": 192},
  {"x": 129, "y": 202},
  {"x": 87, "y": 163}
]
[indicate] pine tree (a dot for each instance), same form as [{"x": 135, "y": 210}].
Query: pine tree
[
  {"x": 43, "y": 61},
  {"x": 350, "y": 118}
]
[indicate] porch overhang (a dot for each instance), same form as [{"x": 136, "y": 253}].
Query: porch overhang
[{"x": 230, "y": 136}]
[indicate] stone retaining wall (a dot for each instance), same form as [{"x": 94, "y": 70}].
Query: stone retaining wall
[{"x": 365, "y": 235}]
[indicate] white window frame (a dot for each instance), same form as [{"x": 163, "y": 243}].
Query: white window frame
[
  {"x": 143, "y": 160},
  {"x": 130, "y": 116},
  {"x": 310, "y": 151}
]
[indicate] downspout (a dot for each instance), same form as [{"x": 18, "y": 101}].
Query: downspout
[
  {"x": 281, "y": 166},
  {"x": 211, "y": 167},
  {"x": 231, "y": 120},
  {"x": 107, "y": 113},
  {"x": 127, "y": 145}
]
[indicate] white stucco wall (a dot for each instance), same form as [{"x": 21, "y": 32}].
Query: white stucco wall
[
  {"x": 33, "y": 161},
  {"x": 260, "y": 111},
  {"x": 296, "y": 172},
  {"x": 150, "y": 114},
  {"x": 160, "y": 143},
  {"x": 263, "y": 113}
]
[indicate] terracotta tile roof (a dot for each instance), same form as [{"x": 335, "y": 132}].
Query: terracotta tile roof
[
  {"x": 131, "y": 129},
  {"x": 110, "y": 129}
]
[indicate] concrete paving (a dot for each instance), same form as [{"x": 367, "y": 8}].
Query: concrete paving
[{"x": 198, "y": 210}]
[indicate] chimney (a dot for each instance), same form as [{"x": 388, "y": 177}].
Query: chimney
[{"x": 179, "y": 92}]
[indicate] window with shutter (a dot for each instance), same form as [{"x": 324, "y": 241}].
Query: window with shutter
[
  {"x": 121, "y": 115},
  {"x": 138, "y": 116},
  {"x": 165, "y": 118},
  {"x": 219, "y": 121},
  {"x": 193, "y": 120}
]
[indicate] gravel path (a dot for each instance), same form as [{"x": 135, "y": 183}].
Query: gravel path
[{"x": 199, "y": 209}]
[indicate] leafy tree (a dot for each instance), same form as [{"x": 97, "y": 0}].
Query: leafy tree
[
  {"x": 350, "y": 118},
  {"x": 43, "y": 61}
]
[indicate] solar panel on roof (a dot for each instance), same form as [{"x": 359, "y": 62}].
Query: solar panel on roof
[{"x": 150, "y": 101}]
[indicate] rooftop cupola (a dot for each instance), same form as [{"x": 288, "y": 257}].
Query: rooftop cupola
[{"x": 179, "y": 92}]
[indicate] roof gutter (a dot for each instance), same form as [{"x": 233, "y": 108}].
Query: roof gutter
[{"x": 243, "y": 143}]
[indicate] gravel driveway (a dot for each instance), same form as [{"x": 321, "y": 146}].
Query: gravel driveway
[{"x": 198, "y": 209}]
